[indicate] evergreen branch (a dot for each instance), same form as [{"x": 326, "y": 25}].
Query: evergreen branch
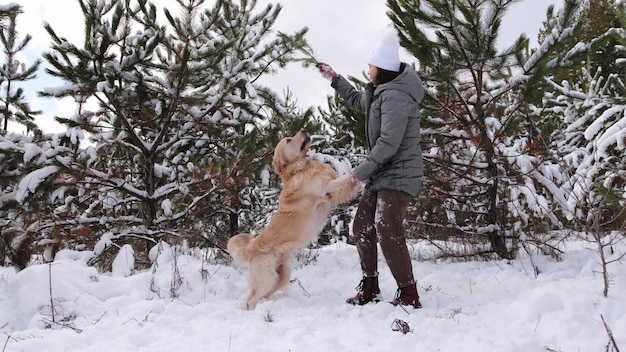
[{"x": 304, "y": 47}]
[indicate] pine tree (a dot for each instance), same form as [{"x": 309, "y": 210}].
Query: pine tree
[
  {"x": 598, "y": 17},
  {"x": 13, "y": 105},
  {"x": 483, "y": 173},
  {"x": 20, "y": 153},
  {"x": 15, "y": 246},
  {"x": 181, "y": 130},
  {"x": 27, "y": 200},
  {"x": 591, "y": 140}
]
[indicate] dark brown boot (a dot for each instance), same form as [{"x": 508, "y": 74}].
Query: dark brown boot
[
  {"x": 367, "y": 291},
  {"x": 407, "y": 296}
]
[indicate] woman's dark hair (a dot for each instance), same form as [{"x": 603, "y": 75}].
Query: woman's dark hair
[{"x": 384, "y": 76}]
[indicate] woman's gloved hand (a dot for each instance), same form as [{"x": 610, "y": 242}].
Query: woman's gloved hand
[{"x": 326, "y": 71}]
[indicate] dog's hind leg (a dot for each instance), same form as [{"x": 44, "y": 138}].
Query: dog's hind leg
[
  {"x": 284, "y": 274},
  {"x": 262, "y": 278}
]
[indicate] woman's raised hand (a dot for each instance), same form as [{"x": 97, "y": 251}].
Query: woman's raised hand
[{"x": 326, "y": 71}]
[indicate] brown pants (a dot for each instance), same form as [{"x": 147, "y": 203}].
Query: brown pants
[{"x": 380, "y": 215}]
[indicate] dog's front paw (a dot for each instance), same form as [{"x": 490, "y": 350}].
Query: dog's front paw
[
  {"x": 353, "y": 177},
  {"x": 349, "y": 187}
]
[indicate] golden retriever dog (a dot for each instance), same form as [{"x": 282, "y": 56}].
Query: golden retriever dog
[{"x": 310, "y": 190}]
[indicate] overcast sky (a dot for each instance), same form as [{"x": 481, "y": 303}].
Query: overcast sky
[{"x": 340, "y": 32}]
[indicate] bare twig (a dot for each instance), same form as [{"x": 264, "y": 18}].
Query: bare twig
[
  {"x": 177, "y": 279},
  {"x": 402, "y": 326},
  {"x": 63, "y": 324},
  {"x": 6, "y": 343},
  {"x": 307, "y": 256},
  {"x": 98, "y": 320},
  {"x": 50, "y": 290},
  {"x": 306, "y": 293},
  {"x": 538, "y": 321},
  {"x": 404, "y": 309},
  {"x": 135, "y": 320},
  {"x": 530, "y": 257},
  {"x": 610, "y": 333}
]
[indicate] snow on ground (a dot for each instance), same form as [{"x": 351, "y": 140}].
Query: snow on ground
[{"x": 469, "y": 306}]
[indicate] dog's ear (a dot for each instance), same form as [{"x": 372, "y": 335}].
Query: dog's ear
[{"x": 278, "y": 162}]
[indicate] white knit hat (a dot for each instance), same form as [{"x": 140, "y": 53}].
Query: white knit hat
[{"x": 385, "y": 55}]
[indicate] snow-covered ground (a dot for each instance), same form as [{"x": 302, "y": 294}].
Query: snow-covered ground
[{"x": 468, "y": 306}]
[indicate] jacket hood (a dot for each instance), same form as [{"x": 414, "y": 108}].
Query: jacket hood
[{"x": 407, "y": 81}]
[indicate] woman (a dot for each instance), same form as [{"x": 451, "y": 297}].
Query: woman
[{"x": 392, "y": 170}]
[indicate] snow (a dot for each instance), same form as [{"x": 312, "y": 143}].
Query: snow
[
  {"x": 166, "y": 205},
  {"x": 30, "y": 152},
  {"x": 103, "y": 243},
  {"x": 615, "y": 133},
  {"x": 8, "y": 7},
  {"x": 30, "y": 182},
  {"x": 265, "y": 177},
  {"x": 185, "y": 304},
  {"x": 124, "y": 262}
]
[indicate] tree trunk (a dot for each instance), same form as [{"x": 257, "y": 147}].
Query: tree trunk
[
  {"x": 497, "y": 242},
  {"x": 150, "y": 202}
]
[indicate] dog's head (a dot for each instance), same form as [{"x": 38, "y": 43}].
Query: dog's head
[{"x": 290, "y": 150}]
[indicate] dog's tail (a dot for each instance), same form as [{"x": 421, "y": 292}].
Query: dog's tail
[{"x": 239, "y": 247}]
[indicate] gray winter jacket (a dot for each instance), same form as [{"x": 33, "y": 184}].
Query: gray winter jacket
[{"x": 392, "y": 129}]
